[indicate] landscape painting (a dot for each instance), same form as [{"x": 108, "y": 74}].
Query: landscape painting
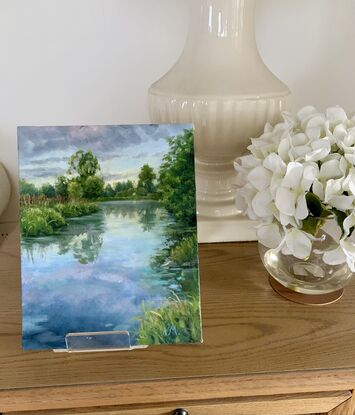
[{"x": 108, "y": 234}]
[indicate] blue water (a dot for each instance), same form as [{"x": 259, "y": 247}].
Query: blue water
[{"x": 95, "y": 274}]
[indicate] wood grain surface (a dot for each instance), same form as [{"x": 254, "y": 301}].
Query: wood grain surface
[
  {"x": 346, "y": 408},
  {"x": 275, "y": 405},
  {"x": 248, "y": 329},
  {"x": 173, "y": 390}
]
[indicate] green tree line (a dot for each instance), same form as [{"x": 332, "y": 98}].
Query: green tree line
[
  {"x": 83, "y": 181},
  {"x": 173, "y": 184}
]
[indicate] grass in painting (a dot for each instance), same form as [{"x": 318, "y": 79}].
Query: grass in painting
[
  {"x": 180, "y": 249},
  {"x": 185, "y": 252},
  {"x": 41, "y": 220},
  {"x": 177, "y": 321},
  {"x": 76, "y": 209},
  {"x": 38, "y": 221}
]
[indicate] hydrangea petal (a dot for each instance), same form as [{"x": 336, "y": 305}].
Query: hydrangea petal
[
  {"x": 274, "y": 163},
  {"x": 332, "y": 229},
  {"x": 310, "y": 173},
  {"x": 336, "y": 115},
  {"x": 334, "y": 257},
  {"x": 269, "y": 235},
  {"x": 275, "y": 184},
  {"x": 299, "y": 139},
  {"x": 247, "y": 192},
  {"x": 317, "y": 155},
  {"x": 351, "y": 182},
  {"x": 298, "y": 243},
  {"x": 306, "y": 112},
  {"x": 251, "y": 214},
  {"x": 340, "y": 133},
  {"x": 341, "y": 202},
  {"x": 313, "y": 133},
  {"x": 249, "y": 161},
  {"x": 330, "y": 170},
  {"x": 268, "y": 128},
  {"x": 343, "y": 165},
  {"x": 293, "y": 175},
  {"x": 333, "y": 187},
  {"x": 348, "y": 223},
  {"x": 350, "y": 157},
  {"x": 318, "y": 189},
  {"x": 284, "y": 148},
  {"x": 300, "y": 151},
  {"x": 301, "y": 211},
  {"x": 260, "y": 178},
  {"x": 349, "y": 139},
  {"x": 286, "y": 201},
  {"x": 322, "y": 143},
  {"x": 261, "y": 202},
  {"x": 285, "y": 250},
  {"x": 288, "y": 117},
  {"x": 286, "y": 220},
  {"x": 317, "y": 120},
  {"x": 349, "y": 250}
]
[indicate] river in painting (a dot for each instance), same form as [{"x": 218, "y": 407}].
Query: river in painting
[{"x": 96, "y": 274}]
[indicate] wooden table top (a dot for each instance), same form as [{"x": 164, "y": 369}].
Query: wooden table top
[{"x": 247, "y": 329}]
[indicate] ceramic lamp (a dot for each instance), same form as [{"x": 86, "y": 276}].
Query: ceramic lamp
[{"x": 221, "y": 84}]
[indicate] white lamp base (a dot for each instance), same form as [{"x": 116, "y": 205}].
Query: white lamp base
[{"x": 229, "y": 229}]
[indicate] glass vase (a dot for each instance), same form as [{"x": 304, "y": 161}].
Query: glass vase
[
  {"x": 324, "y": 271},
  {"x": 221, "y": 84}
]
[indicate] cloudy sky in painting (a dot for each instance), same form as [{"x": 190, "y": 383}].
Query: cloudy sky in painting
[{"x": 44, "y": 152}]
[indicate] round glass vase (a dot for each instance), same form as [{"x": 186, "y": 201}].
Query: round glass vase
[{"x": 322, "y": 272}]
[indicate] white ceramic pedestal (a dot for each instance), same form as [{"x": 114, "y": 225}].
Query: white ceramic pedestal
[{"x": 221, "y": 84}]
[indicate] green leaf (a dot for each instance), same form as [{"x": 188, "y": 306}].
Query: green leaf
[
  {"x": 312, "y": 225},
  {"x": 340, "y": 217},
  {"x": 316, "y": 207},
  {"x": 314, "y": 204},
  {"x": 326, "y": 212}
]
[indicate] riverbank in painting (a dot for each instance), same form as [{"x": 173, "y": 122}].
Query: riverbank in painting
[{"x": 99, "y": 274}]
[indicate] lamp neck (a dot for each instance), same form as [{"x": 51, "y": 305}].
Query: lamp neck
[{"x": 223, "y": 20}]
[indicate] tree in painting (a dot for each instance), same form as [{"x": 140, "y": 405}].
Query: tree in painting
[
  {"x": 177, "y": 178},
  {"x": 61, "y": 187},
  {"x": 146, "y": 180},
  {"x": 83, "y": 165}
]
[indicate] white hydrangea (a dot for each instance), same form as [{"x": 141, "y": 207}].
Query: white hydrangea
[{"x": 309, "y": 153}]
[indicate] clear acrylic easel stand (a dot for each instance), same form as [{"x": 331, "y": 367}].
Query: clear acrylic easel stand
[{"x": 105, "y": 341}]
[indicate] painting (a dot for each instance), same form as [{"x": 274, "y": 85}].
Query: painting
[{"x": 108, "y": 234}]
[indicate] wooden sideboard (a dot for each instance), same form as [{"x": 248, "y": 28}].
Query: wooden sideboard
[{"x": 261, "y": 354}]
